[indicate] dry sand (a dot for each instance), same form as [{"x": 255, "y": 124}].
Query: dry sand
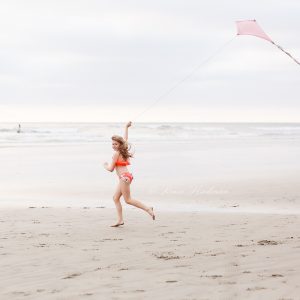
[{"x": 73, "y": 253}]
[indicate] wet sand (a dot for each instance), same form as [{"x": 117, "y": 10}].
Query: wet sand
[{"x": 73, "y": 253}]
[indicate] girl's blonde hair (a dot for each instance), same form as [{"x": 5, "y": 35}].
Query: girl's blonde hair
[{"x": 124, "y": 146}]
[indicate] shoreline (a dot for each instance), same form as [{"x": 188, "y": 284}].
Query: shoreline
[{"x": 166, "y": 209}]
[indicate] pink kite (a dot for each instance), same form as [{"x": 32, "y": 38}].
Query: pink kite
[{"x": 250, "y": 27}]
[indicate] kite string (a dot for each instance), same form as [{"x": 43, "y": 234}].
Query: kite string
[{"x": 168, "y": 91}]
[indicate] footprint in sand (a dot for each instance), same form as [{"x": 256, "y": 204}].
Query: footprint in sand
[
  {"x": 267, "y": 242},
  {"x": 212, "y": 276},
  {"x": 21, "y": 293},
  {"x": 55, "y": 291},
  {"x": 215, "y": 254},
  {"x": 276, "y": 275},
  {"x": 182, "y": 266},
  {"x": 166, "y": 233},
  {"x": 64, "y": 245},
  {"x": 87, "y": 294},
  {"x": 228, "y": 282},
  {"x": 72, "y": 275},
  {"x": 41, "y": 245},
  {"x": 42, "y": 234},
  {"x": 257, "y": 288},
  {"x": 166, "y": 256}
]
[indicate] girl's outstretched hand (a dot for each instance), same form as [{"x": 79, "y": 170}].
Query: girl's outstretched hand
[
  {"x": 105, "y": 165},
  {"x": 128, "y": 124}
]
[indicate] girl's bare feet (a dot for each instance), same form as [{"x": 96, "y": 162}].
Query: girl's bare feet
[
  {"x": 118, "y": 224},
  {"x": 151, "y": 213}
]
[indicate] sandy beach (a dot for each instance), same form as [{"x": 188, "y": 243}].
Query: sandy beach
[
  {"x": 72, "y": 253},
  {"x": 227, "y": 215}
]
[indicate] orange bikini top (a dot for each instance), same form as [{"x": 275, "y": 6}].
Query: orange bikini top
[{"x": 122, "y": 163}]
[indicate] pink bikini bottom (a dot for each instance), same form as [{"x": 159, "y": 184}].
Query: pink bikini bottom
[{"x": 126, "y": 176}]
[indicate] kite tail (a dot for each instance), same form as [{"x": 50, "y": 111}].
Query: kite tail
[{"x": 280, "y": 48}]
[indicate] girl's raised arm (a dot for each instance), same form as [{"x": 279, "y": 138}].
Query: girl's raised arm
[{"x": 126, "y": 130}]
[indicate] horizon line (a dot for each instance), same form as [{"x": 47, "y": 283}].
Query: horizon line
[{"x": 119, "y": 122}]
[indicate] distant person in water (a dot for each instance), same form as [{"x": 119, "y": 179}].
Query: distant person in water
[
  {"x": 19, "y": 129},
  {"x": 120, "y": 160}
]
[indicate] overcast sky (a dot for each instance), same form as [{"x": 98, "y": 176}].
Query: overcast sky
[{"x": 93, "y": 60}]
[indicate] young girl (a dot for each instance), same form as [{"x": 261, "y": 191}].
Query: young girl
[{"x": 120, "y": 161}]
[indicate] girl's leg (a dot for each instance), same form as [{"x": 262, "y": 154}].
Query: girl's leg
[
  {"x": 118, "y": 204},
  {"x": 125, "y": 189}
]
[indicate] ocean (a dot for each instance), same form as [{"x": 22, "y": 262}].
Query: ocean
[{"x": 74, "y": 133}]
